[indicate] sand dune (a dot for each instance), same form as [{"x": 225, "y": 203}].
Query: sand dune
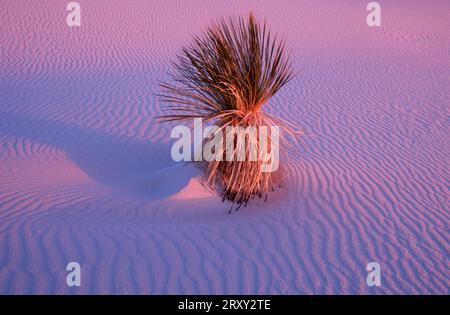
[{"x": 86, "y": 176}]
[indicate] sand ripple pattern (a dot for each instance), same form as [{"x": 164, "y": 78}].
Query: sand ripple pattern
[{"x": 86, "y": 176}]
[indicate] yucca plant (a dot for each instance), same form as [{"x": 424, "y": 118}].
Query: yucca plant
[{"x": 225, "y": 77}]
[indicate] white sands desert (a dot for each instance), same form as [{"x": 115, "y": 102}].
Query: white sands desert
[{"x": 86, "y": 176}]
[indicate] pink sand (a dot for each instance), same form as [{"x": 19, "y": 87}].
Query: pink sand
[{"x": 85, "y": 176}]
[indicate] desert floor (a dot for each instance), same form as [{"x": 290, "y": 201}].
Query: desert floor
[{"x": 86, "y": 176}]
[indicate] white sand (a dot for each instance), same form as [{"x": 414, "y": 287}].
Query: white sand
[{"x": 85, "y": 176}]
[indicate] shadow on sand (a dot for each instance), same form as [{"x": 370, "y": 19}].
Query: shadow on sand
[{"x": 140, "y": 167}]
